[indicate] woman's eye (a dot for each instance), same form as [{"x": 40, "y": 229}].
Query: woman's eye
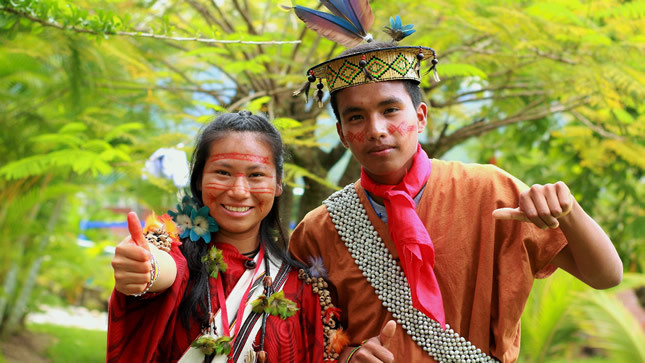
[
  {"x": 222, "y": 172},
  {"x": 255, "y": 175}
]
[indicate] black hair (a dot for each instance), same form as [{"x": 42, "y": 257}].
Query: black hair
[
  {"x": 272, "y": 236},
  {"x": 411, "y": 86}
]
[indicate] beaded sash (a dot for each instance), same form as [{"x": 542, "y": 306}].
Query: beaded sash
[{"x": 390, "y": 284}]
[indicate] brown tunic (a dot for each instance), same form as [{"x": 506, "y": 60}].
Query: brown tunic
[{"x": 485, "y": 268}]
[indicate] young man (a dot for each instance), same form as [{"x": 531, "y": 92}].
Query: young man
[{"x": 434, "y": 260}]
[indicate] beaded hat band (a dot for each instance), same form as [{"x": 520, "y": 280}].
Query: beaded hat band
[{"x": 386, "y": 64}]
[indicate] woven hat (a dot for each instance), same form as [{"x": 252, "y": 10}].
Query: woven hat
[{"x": 348, "y": 25}]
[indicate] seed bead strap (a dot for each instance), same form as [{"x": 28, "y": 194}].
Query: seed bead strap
[
  {"x": 330, "y": 321},
  {"x": 390, "y": 284},
  {"x": 154, "y": 274}
]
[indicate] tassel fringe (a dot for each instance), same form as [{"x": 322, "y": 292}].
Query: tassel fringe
[
  {"x": 368, "y": 75},
  {"x": 319, "y": 97},
  {"x": 304, "y": 89}
]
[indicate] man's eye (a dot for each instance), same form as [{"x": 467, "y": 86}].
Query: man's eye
[
  {"x": 391, "y": 109},
  {"x": 255, "y": 175},
  {"x": 222, "y": 172},
  {"x": 354, "y": 117}
]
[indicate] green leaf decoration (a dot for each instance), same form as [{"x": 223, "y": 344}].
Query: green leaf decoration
[
  {"x": 279, "y": 305},
  {"x": 214, "y": 261},
  {"x": 223, "y": 345},
  {"x": 260, "y": 305},
  {"x": 209, "y": 345},
  {"x": 206, "y": 344}
]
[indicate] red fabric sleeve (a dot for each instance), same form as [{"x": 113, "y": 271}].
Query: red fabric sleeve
[{"x": 136, "y": 325}]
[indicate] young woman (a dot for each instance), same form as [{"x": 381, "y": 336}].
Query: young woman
[{"x": 229, "y": 291}]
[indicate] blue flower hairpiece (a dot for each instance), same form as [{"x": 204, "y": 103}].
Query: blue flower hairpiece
[{"x": 195, "y": 224}]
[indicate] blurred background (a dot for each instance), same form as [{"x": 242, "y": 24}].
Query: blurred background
[{"x": 100, "y": 102}]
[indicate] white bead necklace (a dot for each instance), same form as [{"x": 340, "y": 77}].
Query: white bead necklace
[{"x": 388, "y": 280}]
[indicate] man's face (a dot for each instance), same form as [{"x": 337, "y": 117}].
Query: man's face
[{"x": 380, "y": 125}]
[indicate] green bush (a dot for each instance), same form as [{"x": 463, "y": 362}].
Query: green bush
[{"x": 73, "y": 344}]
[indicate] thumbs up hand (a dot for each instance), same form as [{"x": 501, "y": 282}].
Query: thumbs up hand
[
  {"x": 375, "y": 349},
  {"x": 131, "y": 262}
]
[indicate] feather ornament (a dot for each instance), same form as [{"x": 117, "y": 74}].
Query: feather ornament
[
  {"x": 347, "y": 25},
  {"x": 397, "y": 30},
  {"x": 304, "y": 89},
  {"x": 338, "y": 340}
]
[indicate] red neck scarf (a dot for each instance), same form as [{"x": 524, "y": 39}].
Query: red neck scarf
[{"x": 410, "y": 236}]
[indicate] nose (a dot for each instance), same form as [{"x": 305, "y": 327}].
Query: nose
[
  {"x": 376, "y": 127},
  {"x": 240, "y": 187}
]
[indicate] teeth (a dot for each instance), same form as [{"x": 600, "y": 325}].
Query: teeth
[{"x": 237, "y": 209}]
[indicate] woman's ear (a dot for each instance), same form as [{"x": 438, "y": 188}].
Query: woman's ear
[{"x": 278, "y": 190}]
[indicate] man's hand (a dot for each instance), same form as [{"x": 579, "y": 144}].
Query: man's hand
[
  {"x": 131, "y": 262},
  {"x": 541, "y": 205},
  {"x": 375, "y": 349}
]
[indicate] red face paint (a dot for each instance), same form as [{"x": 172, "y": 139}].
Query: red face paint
[
  {"x": 355, "y": 137},
  {"x": 244, "y": 157},
  {"x": 226, "y": 187},
  {"x": 402, "y": 129}
]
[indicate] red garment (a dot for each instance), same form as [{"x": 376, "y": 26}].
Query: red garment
[
  {"x": 150, "y": 329},
  {"x": 410, "y": 236}
]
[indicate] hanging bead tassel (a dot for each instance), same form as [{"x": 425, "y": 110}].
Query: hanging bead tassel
[
  {"x": 417, "y": 67},
  {"x": 305, "y": 87},
  {"x": 319, "y": 93},
  {"x": 435, "y": 75},
  {"x": 363, "y": 64}
]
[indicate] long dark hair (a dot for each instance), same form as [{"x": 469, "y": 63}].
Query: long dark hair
[{"x": 272, "y": 236}]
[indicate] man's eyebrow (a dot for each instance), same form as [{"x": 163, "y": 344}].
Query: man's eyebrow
[
  {"x": 385, "y": 102},
  {"x": 350, "y": 110},
  {"x": 390, "y": 101}
]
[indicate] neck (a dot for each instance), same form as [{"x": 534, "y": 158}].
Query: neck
[{"x": 244, "y": 243}]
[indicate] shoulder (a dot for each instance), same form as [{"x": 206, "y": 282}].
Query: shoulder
[{"x": 486, "y": 176}]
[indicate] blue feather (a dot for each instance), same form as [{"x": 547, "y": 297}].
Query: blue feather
[
  {"x": 334, "y": 19},
  {"x": 397, "y": 30},
  {"x": 351, "y": 14}
]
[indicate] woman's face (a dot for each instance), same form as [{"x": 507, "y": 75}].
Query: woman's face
[{"x": 239, "y": 183}]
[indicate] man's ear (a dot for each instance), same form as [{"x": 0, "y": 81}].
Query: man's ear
[
  {"x": 339, "y": 130},
  {"x": 422, "y": 116}
]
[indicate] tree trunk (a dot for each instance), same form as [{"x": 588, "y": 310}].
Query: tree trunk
[
  {"x": 11, "y": 279},
  {"x": 18, "y": 311},
  {"x": 314, "y": 194}
]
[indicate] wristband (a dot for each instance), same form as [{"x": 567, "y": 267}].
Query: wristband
[
  {"x": 351, "y": 354},
  {"x": 154, "y": 274}
]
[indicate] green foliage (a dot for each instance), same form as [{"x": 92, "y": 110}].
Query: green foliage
[
  {"x": 563, "y": 315},
  {"x": 547, "y": 90},
  {"x": 73, "y": 344}
]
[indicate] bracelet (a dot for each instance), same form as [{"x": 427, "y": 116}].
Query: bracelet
[
  {"x": 154, "y": 274},
  {"x": 351, "y": 354}
]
